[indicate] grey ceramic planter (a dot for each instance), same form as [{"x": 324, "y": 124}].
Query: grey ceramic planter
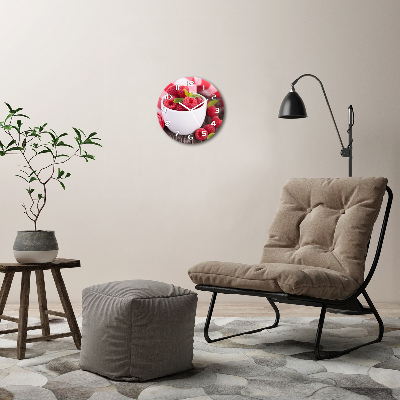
[{"x": 35, "y": 247}]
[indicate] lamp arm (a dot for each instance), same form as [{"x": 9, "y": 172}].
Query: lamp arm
[{"x": 327, "y": 102}]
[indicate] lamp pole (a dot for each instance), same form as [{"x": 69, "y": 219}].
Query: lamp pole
[
  {"x": 293, "y": 107},
  {"x": 350, "y": 147}
]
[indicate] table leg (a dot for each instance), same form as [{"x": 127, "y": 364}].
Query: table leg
[
  {"x": 5, "y": 289},
  {"x": 23, "y": 314},
  {"x": 41, "y": 291},
  {"x": 69, "y": 312}
]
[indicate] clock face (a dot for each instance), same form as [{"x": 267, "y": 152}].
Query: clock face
[{"x": 190, "y": 110}]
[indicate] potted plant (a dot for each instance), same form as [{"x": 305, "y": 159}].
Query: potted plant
[{"x": 44, "y": 154}]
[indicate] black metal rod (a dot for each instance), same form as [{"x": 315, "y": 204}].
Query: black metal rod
[
  {"x": 208, "y": 320},
  {"x": 327, "y": 102},
  {"x": 335, "y": 354},
  {"x": 350, "y": 146},
  {"x": 377, "y": 316},
  {"x": 319, "y": 332},
  {"x": 380, "y": 243}
]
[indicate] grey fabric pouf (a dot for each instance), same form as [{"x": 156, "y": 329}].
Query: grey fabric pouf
[{"x": 137, "y": 330}]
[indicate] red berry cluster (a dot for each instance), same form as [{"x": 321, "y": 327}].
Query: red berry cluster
[
  {"x": 187, "y": 103},
  {"x": 207, "y": 130}
]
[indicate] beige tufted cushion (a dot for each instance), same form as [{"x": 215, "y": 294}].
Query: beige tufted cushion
[{"x": 317, "y": 241}]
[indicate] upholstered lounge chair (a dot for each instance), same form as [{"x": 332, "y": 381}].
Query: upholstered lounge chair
[{"x": 315, "y": 254}]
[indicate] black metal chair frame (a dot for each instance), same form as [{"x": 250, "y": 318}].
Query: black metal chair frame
[{"x": 350, "y": 305}]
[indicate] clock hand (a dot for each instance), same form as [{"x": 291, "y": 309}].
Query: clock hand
[
  {"x": 190, "y": 110},
  {"x": 187, "y": 108},
  {"x": 198, "y": 105},
  {"x": 196, "y": 120}
]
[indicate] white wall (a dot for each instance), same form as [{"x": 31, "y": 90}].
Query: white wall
[{"x": 149, "y": 207}]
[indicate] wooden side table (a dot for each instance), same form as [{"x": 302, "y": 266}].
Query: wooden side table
[{"x": 26, "y": 269}]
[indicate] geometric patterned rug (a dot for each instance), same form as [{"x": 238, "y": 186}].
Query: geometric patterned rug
[{"x": 276, "y": 364}]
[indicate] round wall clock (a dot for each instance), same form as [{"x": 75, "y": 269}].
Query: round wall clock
[{"x": 190, "y": 110}]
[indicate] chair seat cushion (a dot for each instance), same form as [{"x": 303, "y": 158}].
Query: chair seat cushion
[{"x": 295, "y": 279}]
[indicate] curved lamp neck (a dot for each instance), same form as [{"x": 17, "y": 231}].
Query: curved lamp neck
[{"x": 326, "y": 99}]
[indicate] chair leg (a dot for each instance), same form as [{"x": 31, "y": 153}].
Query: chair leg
[
  {"x": 208, "y": 320},
  {"x": 335, "y": 354}
]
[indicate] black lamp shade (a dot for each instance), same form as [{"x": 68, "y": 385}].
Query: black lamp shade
[{"x": 292, "y": 107}]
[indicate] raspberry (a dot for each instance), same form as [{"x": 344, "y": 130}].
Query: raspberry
[
  {"x": 160, "y": 120},
  {"x": 212, "y": 111},
  {"x": 181, "y": 91},
  {"x": 201, "y": 134},
  {"x": 217, "y": 122},
  {"x": 172, "y": 91},
  {"x": 179, "y": 107},
  {"x": 190, "y": 102},
  {"x": 169, "y": 103},
  {"x": 209, "y": 128},
  {"x": 199, "y": 100}
]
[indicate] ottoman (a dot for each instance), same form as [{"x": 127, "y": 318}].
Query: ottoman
[{"x": 137, "y": 330}]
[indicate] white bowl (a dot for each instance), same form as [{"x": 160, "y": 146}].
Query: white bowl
[{"x": 184, "y": 122}]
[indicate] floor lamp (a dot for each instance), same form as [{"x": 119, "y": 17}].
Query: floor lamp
[{"x": 293, "y": 107}]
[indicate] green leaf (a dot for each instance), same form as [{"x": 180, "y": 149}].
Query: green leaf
[
  {"x": 2, "y": 153},
  {"x": 19, "y": 123},
  {"x": 9, "y": 107},
  {"x": 78, "y": 134},
  {"x": 64, "y": 144},
  {"x": 63, "y": 186},
  {"x": 42, "y": 127},
  {"x": 178, "y": 100},
  {"x": 60, "y": 173},
  {"x": 14, "y": 148},
  {"x": 32, "y": 179},
  {"x": 7, "y": 127},
  {"x": 67, "y": 175},
  {"x": 62, "y": 155},
  {"x": 211, "y": 103},
  {"x": 63, "y": 134},
  {"x": 45, "y": 151},
  {"x": 87, "y": 141},
  {"x": 195, "y": 95},
  {"x": 30, "y": 191},
  {"x": 40, "y": 196},
  {"x": 11, "y": 143},
  {"x": 93, "y": 134},
  {"x": 87, "y": 157},
  {"x": 211, "y": 134},
  {"x": 53, "y": 137},
  {"x": 22, "y": 115},
  {"x": 187, "y": 94}
]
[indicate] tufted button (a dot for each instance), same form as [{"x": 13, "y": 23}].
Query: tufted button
[
  {"x": 331, "y": 248},
  {"x": 342, "y": 211},
  {"x": 309, "y": 210},
  {"x": 297, "y": 247}
]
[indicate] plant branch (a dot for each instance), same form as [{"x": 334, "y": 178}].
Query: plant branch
[{"x": 30, "y": 145}]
